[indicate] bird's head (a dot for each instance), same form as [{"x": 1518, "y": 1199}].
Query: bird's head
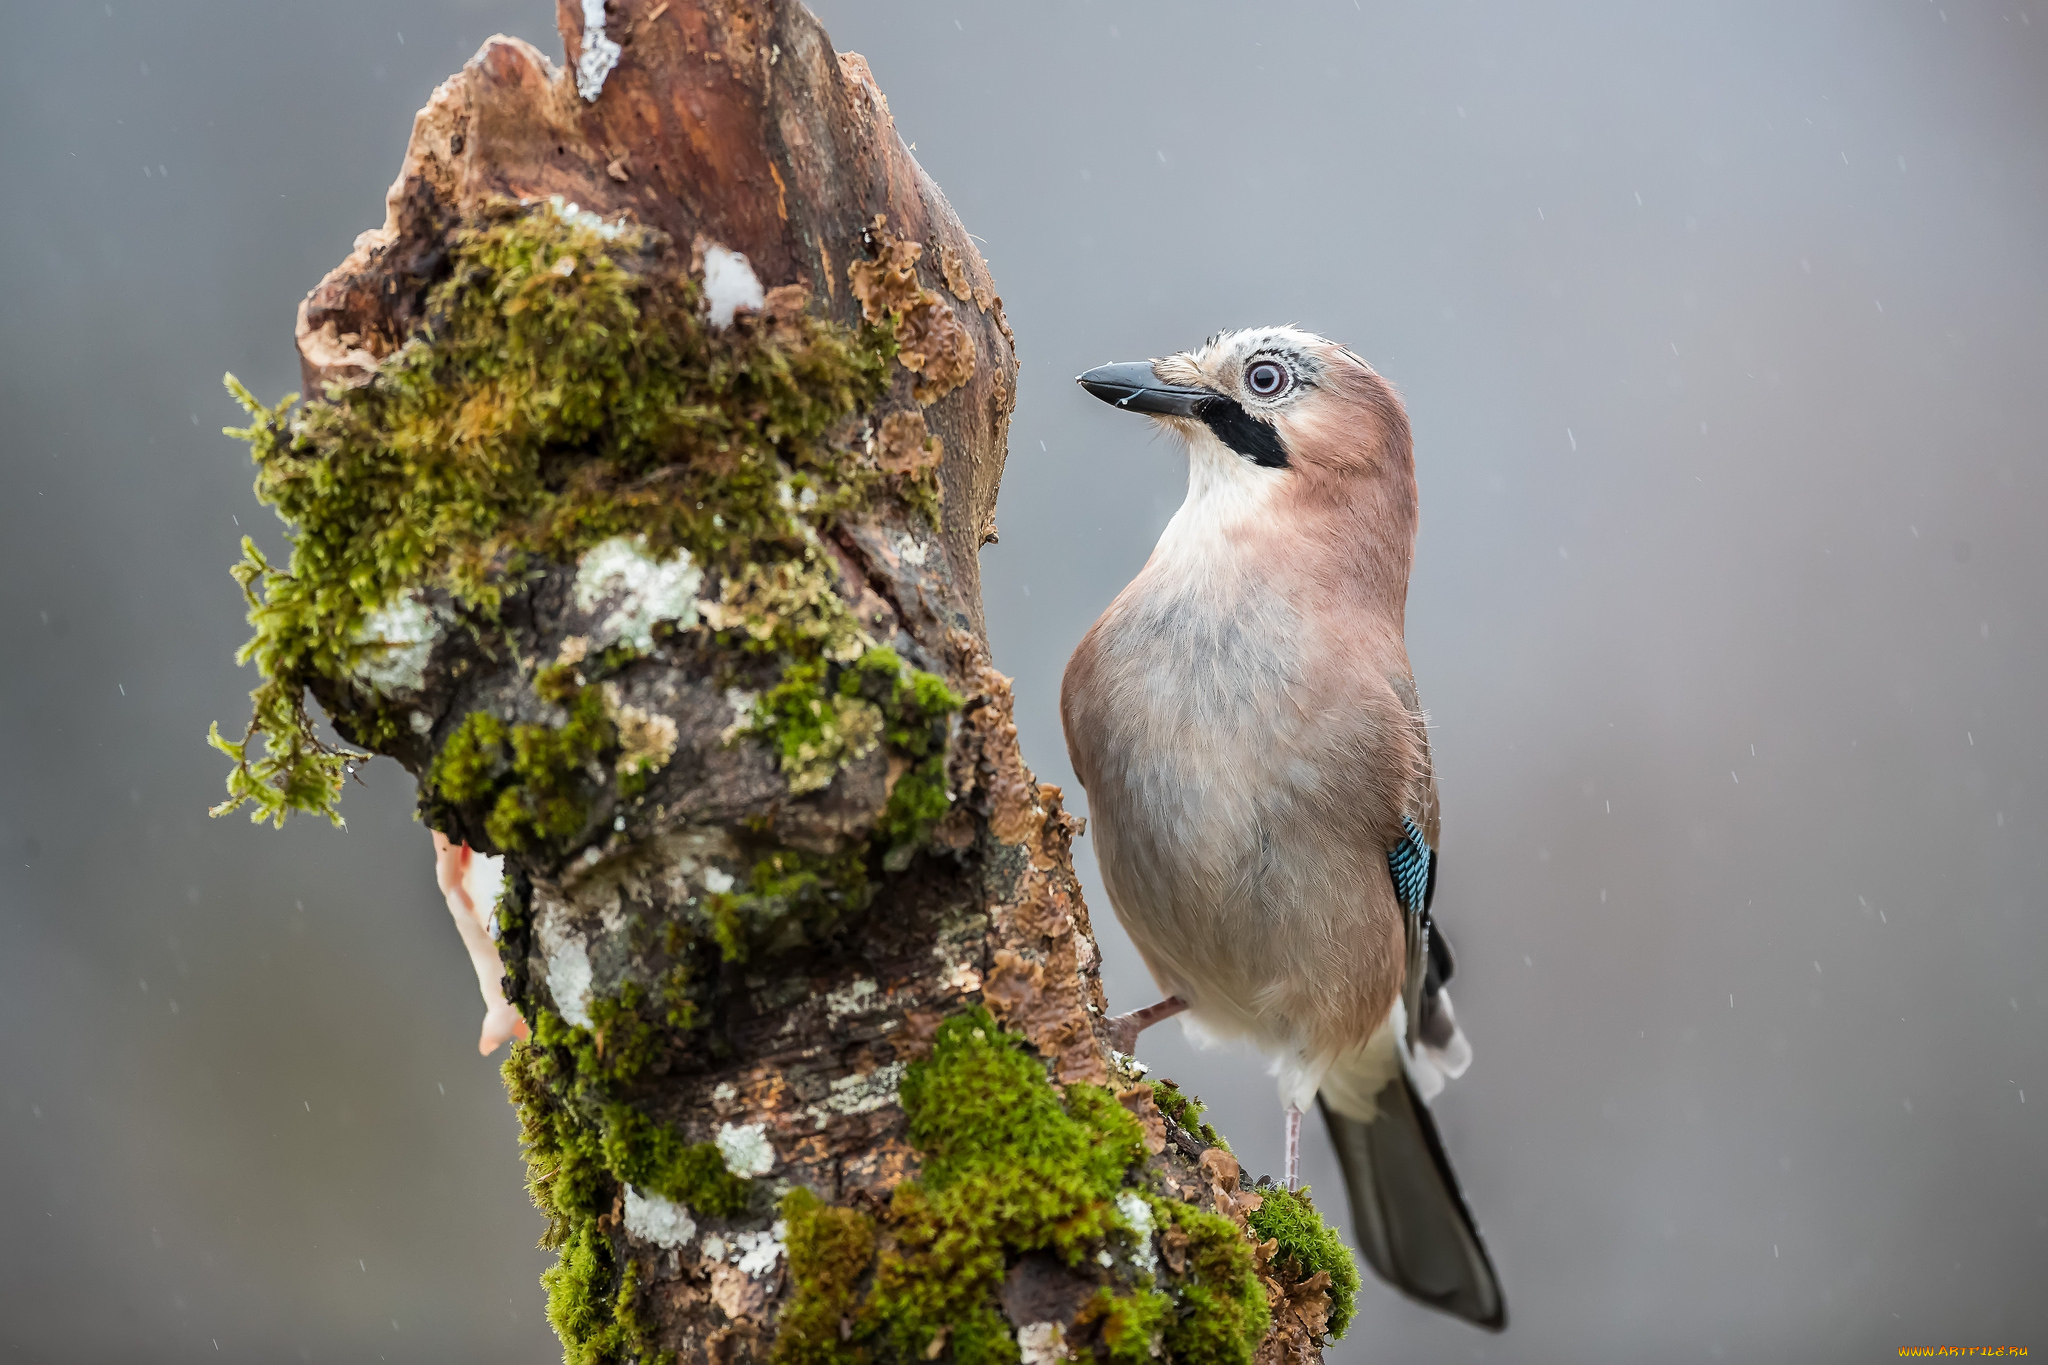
[
  {"x": 1284, "y": 429},
  {"x": 1277, "y": 398}
]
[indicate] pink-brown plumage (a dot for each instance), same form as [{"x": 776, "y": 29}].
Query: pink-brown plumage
[
  {"x": 1246, "y": 725},
  {"x": 1237, "y": 717}
]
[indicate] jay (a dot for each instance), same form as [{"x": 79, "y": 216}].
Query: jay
[{"x": 1245, "y": 722}]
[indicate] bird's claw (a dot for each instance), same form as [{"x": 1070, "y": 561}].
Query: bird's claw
[
  {"x": 1121, "y": 1030},
  {"x": 501, "y": 1024}
]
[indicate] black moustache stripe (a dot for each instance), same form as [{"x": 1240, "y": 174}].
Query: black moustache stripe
[{"x": 1252, "y": 437}]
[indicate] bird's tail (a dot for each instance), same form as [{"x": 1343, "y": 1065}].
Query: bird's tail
[{"x": 1409, "y": 1215}]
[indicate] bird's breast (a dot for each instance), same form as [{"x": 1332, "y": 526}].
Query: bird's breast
[
  {"x": 1221, "y": 771},
  {"x": 1234, "y": 804},
  {"x": 1185, "y": 681}
]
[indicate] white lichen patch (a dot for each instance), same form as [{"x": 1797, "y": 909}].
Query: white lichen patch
[
  {"x": 718, "y": 881},
  {"x": 568, "y": 964},
  {"x": 1137, "y": 1216},
  {"x": 742, "y": 703},
  {"x": 661, "y": 1221},
  {"x": 746, "y": 1149},
  {"x": 857, "y": 998},
  {"x": 398, "y": 640},
  {"x": 730, "y": 284},
  {"x": 715, "y": 1248},
  {"x": 600, "y": 53},
  {"x": 1042, "y": 1343},
  {"x": 673, "y": 860},
  {"x": 573, "y": 213},
  {"x": 641, "y": 590},
  {"x": 910, "y": 550},
  {"x": 759, "y": 1251},
  {"x": 612, "y": 912},
  {"x": 861, "y": 1094}
]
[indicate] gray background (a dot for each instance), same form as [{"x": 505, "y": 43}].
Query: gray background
[{"x": 1721, "y": 329}]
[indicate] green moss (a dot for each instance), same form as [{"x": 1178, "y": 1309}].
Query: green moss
[
  {"x": 565, "y": 391},
  {"x": 789, "y": 898},
  {"x": 571, "y": 1086},
  {"x": 653, "y": 1156},
  {"x": 558, "y": 683},
  {"x": 588, "y": 1067},
  {"x": 918, "y": 706},
  {"x": 582, "y": 1141},
  {"x": 792, "y": 606},
  {"x": 582, "y": 1307},
  {"x": 829, "y": 1251},
  {"x": 538, "y": 782},
  {"x": 565, "y": 1170},
  {"x": 680, "y": 1010},
  {"x": 821, "y": 716},
  {"x": 1132, "y": 1327},
  {"x": 1186, "y": 1112},
  {"x": 593, "y": 1304},
  {"x": 918, "y": 802},
  {"x": 1308, "y": 1245},
  {"x": 474, "y": 760},
  {"x": 924, "y": 495},
  {"x": 815, "y": 731},
  {"x": 1011, "y": 1166},
  {"x": 622, "y": 1044},
  {"x": 538, "y": 785},
  {"x": 1224, "y": 1314},
  {"x": 553, "y": 785}
]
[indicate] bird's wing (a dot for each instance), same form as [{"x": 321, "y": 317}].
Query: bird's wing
[
  {"x": 1433, "y": 1031},
  {"x": 1413, "y": 865},
  {"x": 1410, "y": 1217}
]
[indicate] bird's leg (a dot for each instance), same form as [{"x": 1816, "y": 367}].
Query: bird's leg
[
  {"x": 454, "y": 867},
  {"x": 1125, "y": 1028},
  {"x": 1293, "y": 1158}
]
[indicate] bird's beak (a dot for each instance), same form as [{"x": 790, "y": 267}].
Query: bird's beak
[{"x": 1133, "y": 387}]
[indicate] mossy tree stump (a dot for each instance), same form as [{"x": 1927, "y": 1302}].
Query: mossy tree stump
[{"x": 659, "y": 570}]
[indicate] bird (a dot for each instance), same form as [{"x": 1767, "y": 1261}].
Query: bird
[
  {"x": 469, "y": 882},
  {"x": 1245, "y": 722}
]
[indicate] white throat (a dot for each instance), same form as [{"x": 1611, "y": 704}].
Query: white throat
[{"x": 1225, "y": 490}]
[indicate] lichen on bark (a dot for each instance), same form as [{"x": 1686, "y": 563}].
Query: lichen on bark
[
  {"x": 677, "y": 607},
  {"x": 1015, "y": 1171},
  {"x": 565, "y": 391}
]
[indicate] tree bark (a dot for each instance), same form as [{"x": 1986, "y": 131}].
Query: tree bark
[{"x": 727, "y": 126}]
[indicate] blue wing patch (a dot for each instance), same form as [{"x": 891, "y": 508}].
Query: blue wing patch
[{"x": 1414, "y": 869}]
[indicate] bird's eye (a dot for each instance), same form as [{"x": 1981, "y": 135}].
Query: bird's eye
[{"x": 1265, "y": 378}]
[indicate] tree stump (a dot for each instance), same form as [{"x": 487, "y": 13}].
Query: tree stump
[{"x": 638, "y": 517}]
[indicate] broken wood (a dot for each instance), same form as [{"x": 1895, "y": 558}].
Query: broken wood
[{"x": 748, "y": 955}]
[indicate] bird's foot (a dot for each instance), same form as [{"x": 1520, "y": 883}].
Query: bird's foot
[
  {"x": 469, "y": 882},
  {"x": 1123, "y": 1029},
  {"x": 501, "y": 1024},
  {"x": 1293, "y": 1157}
]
